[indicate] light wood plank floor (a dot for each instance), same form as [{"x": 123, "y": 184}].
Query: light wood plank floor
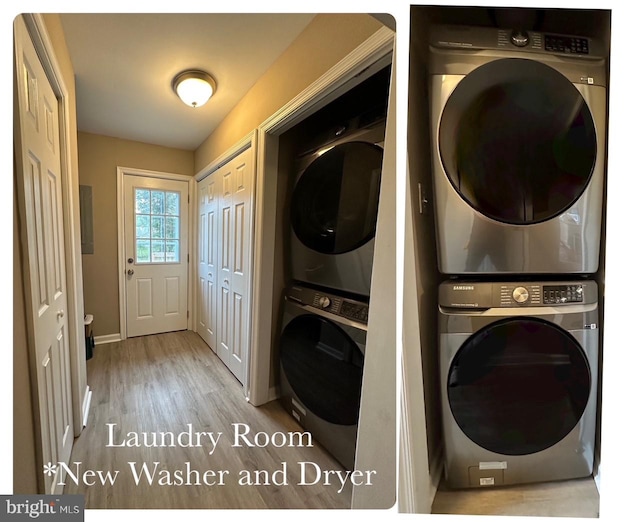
[
  {"x": 163, "y": 383},
  {"x": 571, "y": 498}
]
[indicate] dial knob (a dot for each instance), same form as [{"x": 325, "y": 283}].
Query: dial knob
[
  {"x": 324, "y": 301},
  {"x": 520, "y": 294},
  {"x": 519, "y": 38}
]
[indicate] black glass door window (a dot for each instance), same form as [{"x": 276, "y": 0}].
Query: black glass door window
[
  {"x": 335, "y": 202},
  {"x": 517, "y": 141},
  {"x": 324, "y": 367},
  {"x": 519, "y": 386}
]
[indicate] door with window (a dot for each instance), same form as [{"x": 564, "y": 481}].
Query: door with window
[{"x": 156, "y": 247}]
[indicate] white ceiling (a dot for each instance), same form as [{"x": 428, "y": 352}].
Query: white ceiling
[{"x": 124, "y": 64}]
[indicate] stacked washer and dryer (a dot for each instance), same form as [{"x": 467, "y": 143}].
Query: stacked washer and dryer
[
  {"x": 518, "y": 143},
  {"x": 333, "y": 213}
]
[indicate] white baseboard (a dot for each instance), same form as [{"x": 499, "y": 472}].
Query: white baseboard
[{"x": 105, "y": 339}]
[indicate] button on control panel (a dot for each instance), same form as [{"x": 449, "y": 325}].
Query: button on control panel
[
  {"x": 561, "y": 294},
  {"x": 519, "y": 295},
  {"x": 356, "y": 311},
  {"x": 325, "y": 303},
  {"x": 566, "y": 44}
]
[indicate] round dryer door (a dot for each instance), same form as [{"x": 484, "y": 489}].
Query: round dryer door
[
  {"x": 335, "y": 201},
  {"x": 518, "y": 386},
  {"x": 517, "y": 141},
  {"x": 324, "y": 368}
]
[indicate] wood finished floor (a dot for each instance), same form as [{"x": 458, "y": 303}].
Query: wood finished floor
[
  {"x": 164, "y": 383},
  {"x": 571, "y": 498}
]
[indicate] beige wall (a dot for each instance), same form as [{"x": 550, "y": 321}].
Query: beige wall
[
  {"x": 99, "y": 157},
  {"x": 324, "y": 42}
]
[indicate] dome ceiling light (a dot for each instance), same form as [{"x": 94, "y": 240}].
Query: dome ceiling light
[{"x": 194, "y": 87}]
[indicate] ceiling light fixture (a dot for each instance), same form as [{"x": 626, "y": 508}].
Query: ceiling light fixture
[{"x": 194, "y": 87}]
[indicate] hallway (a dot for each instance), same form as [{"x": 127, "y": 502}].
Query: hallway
[{"x": 171, "y": 386}]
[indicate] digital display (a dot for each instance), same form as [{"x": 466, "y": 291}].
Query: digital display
[
  {"x": 559, "y": 294},
  {"x": 355, "y": 311}
]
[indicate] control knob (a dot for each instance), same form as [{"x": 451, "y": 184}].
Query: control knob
[
  {"x": 324, "y": 301},
  {"x": 520, "y": 294},
  {"x": 519, "y": 38}
]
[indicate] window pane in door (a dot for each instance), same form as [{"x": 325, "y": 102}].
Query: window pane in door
[
  {"x": 143, "y": 251},
  {"x": 157, "y": 202},
  {"x": 157, "y": 252},
  {"x": 157, "y": 227},
  {"x": 172, "y": 228},
  {"x": 173, "y": 203},
  {"x": 172, "y": 252},
  {"x": 157, "y": 222},
  {"x": 142, "y": 227},
  {"x": 142, "y": 201}
]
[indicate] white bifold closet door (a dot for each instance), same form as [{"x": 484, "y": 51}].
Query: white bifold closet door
[{"x": 225, "y": 200}]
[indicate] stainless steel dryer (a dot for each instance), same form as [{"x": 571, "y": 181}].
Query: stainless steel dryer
[
  {"x": 518, "y": 372},
  {"x": 334, "y": 209},
  {"x": 321, "y": 362},
  {"x": 518, "y": 145}
]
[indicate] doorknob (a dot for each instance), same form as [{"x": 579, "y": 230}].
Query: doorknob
[
  {"x": 130, "y": 260},
  {"x": 60, "y": 314},
  {"x": 130, "y": 272}
]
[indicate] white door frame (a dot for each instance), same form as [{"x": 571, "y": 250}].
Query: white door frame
[
  {"x": 249, "y": 141},
  {"x": 121, "y": 172},
  {"x": 335, "y": 82},
  {"x": 71, "y": 225}
]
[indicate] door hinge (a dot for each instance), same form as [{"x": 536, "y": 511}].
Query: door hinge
[
  {"x": 187, "y": 258},
  {"x": 187, "y": 314}
]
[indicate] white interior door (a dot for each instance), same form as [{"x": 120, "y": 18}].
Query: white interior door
[
  {"x": 41, "y": 192},
  {"x": 234, "y": 283},
  {"x": 226, "y": 226},
  {"x": 156, "y": 247},
  {"x": 207, "y": 255}
]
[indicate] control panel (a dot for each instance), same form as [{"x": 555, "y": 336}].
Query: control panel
[
  {"x": 561, "y": 294},
  {"x": 519, "y": 295},
  {"x": 566, "y": 44},
  {"x": 514, "y": 39},
  {"x": 326, "y": 303},
  {"x": 355, "y": 311},
  {"x": 485, "y": 295},
  {"x": 340, "y": 306}
]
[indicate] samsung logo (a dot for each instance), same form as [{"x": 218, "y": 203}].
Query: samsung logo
[{"x": 463, "y": 287}]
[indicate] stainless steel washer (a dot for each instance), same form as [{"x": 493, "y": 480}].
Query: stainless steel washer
[
  {"x": 518, "y": 146},
  {"x": 321, "y": 362},
  {"x": 519, "y": 373}
]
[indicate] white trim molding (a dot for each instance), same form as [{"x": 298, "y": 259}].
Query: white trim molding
[{"x": 107, "y": 339}]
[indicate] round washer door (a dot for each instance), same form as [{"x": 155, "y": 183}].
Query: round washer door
[
  {"x": 324, "y": 368},
  {"x": 517, "y": 141},
  {"x": 518, "y": 386},
  {"x": 335, "y": 201}
]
